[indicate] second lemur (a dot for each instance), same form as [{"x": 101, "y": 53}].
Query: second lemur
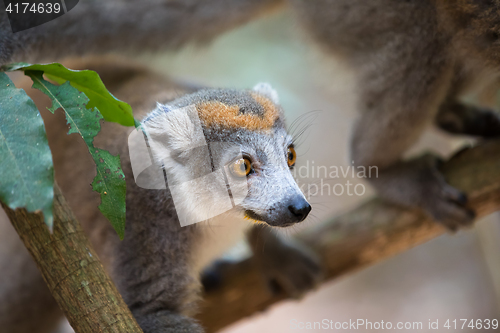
[{"x": 413, "y": 61}]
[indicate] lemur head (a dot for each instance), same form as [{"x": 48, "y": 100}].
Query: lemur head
[{"x": 227, "y": 150}]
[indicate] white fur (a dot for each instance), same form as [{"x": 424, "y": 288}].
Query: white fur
[{"x": 268, "y": 91}]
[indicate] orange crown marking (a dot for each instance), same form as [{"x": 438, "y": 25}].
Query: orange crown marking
[{"x": 215, "y": 113}]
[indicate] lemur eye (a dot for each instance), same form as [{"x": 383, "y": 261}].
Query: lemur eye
[
  {"x": 291, "y": 156},
  {"x": 241, "y": 167}
]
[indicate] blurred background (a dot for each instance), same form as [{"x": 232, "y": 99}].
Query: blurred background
[{"x": 452, "y": 277}]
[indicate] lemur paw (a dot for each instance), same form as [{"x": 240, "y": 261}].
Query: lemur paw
[
  {"x": 419, "y": 183},
  {"x": 464, "y": 119},
  {"x": 285, "y": 265},
  {"x": 168, "y": 322},
  {"x": 292, "y": 269}
]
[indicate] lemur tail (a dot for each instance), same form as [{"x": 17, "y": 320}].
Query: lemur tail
[{"x": 127, "y": 26}]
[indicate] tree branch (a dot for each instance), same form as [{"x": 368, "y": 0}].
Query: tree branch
[
  {"x": 72, "y": 270},
  {"x": 366, "y": 235}
]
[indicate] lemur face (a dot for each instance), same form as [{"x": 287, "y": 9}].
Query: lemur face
[
  {"x": 273, "y": 195},
  {"x": 228, "y": 150}
]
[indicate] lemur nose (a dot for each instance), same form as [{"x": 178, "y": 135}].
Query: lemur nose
[{"x": 300, "y": 208}]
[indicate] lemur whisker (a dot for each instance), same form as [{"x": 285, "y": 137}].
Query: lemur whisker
[
  {"x": 305, "y": 121},
  {"x": 303, "y": 118}
]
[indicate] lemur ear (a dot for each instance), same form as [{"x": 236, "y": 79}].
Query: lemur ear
[
  {"x": 268, "y": 91},
  {"x": 163, "y": 107},
  {"x": 173, "y": 131}
]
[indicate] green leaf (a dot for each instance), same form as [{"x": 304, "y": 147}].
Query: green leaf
[
  {"x": 111, "y": 108},
  {"x": 110, "y": 180},
  {"x": 26, "y": 169}
]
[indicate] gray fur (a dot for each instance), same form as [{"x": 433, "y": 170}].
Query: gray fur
[
  {"x": 412, "y": 59},
  {"x": 96, "y": 27}
]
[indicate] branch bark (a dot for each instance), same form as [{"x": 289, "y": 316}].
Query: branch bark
[
  {"x": 72, "y": 270},
  {"x": 364, "y": 236}
]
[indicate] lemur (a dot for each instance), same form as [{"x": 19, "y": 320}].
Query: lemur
[
  {"x": 413, "y": 60},
  {"x": 157, "y": 267}
]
